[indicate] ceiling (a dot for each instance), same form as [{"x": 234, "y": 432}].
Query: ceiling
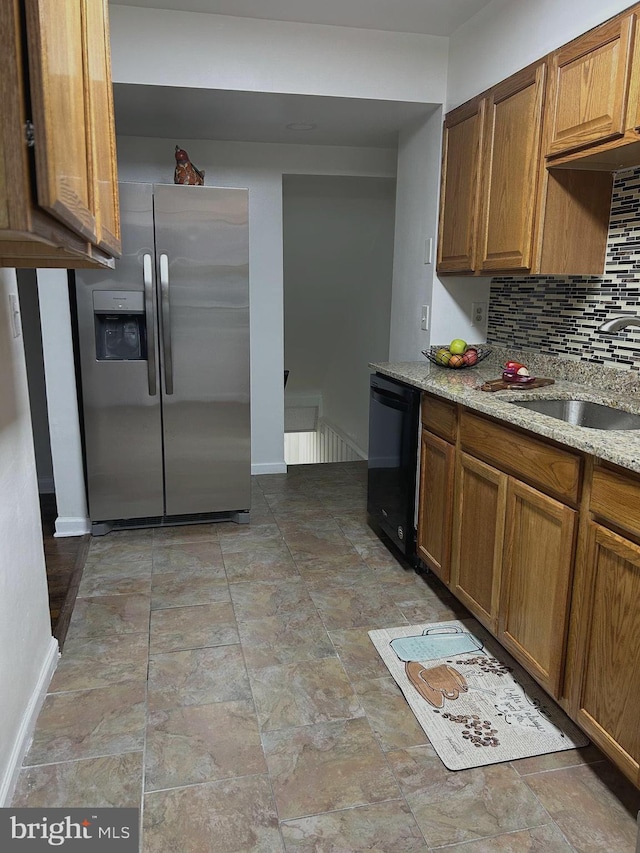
[
  {"x": 176, "y": 113},
  {"x": 179, "y": 113},
  {"x": 433, "y": 17}
]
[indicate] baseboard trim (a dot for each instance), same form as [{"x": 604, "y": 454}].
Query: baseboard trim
[
  {"x": 28, "y": 724},
  {"x": 72, "y": 526},
  {"x": 269, "y": 468}
]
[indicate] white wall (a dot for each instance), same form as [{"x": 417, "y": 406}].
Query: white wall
[
  {"x": 416, "y": 222},
  {"x": 507, "y": 35},
  {"x": 338, "y": 260},
  {"x": 27, "y": 649},
  {"x": 167, "y": 48},
  {"x": 260, "y": 168},
  {"x": 62, "y": 403}
]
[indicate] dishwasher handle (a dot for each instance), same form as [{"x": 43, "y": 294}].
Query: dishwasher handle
[{"x": 386, "y": 398}]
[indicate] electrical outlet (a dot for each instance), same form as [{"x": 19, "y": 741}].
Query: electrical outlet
[
  {"x": 479, "y": 313},
  {"x": 424, "y": 319}
]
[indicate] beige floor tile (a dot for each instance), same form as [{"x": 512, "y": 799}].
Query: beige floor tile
[
  {"x": 300, "y": 694},
  {"x": 270, "y": 598},
  {"x": 376, "y": 554},
  {"x": 311, "y": 538},
  {"x": 177, "y": 628},
  {"x": 271, "y": 561},
  {"x": 392, "y": 720},
  {"x": 114, "y": 584},
  {"x": 179, "y": 589},
  {"x": 197, "y": 677},
  {"x": 200, "y": 557},
  {"x": 89, "y": 723},
  {"x": 285, "y": 638},
  {"x": 238, "y": 537},
  {"x": 230, "y": 816},
  {"x": 105, "y": 615},
  {"x": 128, "y": 544},
  {"x": 87, "y": 663},
  {"x": 112, "y": 781},
  {"x": 594, "y": 806},
  {"x": 386, "y": 827},
  {"x": 540, "y": 839},
  {"x": 356, "y": 608},
  {"x": 326, "y": 569},
  {"x": 359, "y": 656},
  {"x": 325, "y": 767},
  {"x": 202, "y": 743},
  {"x": 466, "y": 805},
  {"x": 557, "y": 760}
]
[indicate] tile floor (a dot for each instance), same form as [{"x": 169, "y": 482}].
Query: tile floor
[{"x": 221, "y": 677}]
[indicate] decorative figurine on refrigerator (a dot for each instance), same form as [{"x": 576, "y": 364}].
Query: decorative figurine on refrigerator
[{"x": 186, "y": 172}]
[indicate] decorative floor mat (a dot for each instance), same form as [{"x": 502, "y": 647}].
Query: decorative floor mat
[{"x": 475, "y": 703}]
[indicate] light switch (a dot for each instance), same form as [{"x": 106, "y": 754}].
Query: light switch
[{"x": 14, "y": 311}]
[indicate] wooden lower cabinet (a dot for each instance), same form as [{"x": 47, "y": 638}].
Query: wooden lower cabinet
[
  {"x": 478, "y": 530},
  {"x": 536, "y": 577},
  {"x": 436, "y": 502},
  {"x": 609, "y": 649}
]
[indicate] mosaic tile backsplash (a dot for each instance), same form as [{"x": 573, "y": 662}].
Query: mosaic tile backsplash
[{"x": 560, "y": 316}]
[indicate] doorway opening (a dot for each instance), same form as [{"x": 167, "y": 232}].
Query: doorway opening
[{"x": 338, "y": 236}]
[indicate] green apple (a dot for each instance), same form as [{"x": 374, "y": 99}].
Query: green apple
[
  {"x": 457, "y": 346},
  {"x": 443, "y": 355}
]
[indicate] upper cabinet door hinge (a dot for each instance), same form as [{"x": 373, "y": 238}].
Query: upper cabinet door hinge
[{"x": 29, "y": 133}]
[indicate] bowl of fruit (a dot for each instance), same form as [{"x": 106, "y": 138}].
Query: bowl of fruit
[{"x": 457, "y": 355}]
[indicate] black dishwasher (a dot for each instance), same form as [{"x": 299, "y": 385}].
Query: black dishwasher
[{"x": 394, "y": 415}]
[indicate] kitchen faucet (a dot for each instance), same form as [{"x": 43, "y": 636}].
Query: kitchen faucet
[{"x": 620, "y": 321}]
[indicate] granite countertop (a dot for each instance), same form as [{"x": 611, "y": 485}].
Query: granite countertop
[{"x": 612, "y": 387}]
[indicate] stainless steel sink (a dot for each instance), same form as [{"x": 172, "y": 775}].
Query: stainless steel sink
[{"x": 583, "y": 413}]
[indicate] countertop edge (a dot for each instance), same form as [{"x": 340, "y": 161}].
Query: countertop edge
[{"x": 619, "y": 447}]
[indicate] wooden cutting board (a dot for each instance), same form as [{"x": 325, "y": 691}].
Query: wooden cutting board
[{"x": 501, "y": 385}]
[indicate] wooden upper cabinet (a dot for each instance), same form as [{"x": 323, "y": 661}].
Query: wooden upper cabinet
[
  {"x": 461, "y": 153},
  {"x": 60, "y": 192},
  {"x": 104, "y": 176},
  {"x": 510, "y": 168},
  {"x": 589, "y": 87},
  {"x": 56, "y": 49}
]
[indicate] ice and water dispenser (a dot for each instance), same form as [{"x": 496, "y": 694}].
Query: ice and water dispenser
[{"x": 121, "y": 333}]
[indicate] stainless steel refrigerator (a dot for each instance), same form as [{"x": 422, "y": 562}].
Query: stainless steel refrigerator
[{"x": 164, "y": 361}]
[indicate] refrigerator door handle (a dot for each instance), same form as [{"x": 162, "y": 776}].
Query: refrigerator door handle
[
  {"x": 147, "y": 273},
  {"x": 166, "y": 323}
]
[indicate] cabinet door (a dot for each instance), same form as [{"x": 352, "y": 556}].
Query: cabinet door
[
  {"x": 461, "y": 152},
  {"x": 478, "y": 536},
  {"x": 435, "y": 503},
  {"x": 104, "y": 175},
  {"x": 539, "y": 543},
  {"x": 610, "y": 648},
  {"x": 510, "y": 166},
  {"x": 55, "y": 38},
  {"x": 589, "y": 87}
]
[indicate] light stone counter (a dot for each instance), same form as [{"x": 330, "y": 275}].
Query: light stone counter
[{"x": 620, "y": 389}]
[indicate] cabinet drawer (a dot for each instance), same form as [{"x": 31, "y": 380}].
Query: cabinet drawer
[
  {"x": 615, "y": 496},
  {"x": 550, "y": 468},
  {"x": 440, "y": 417}
]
